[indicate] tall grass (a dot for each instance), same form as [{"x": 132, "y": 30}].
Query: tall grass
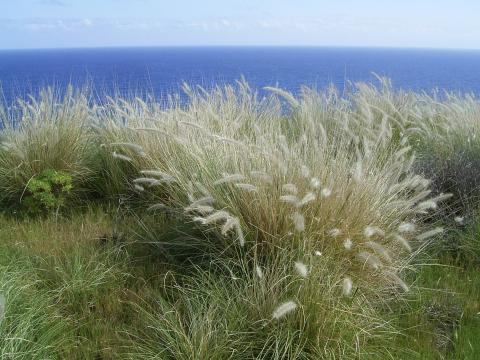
[
  {"x": 303, "y": 213},
  {"x": 51, "y": 132},
  {"x": 272, "y": 182}
]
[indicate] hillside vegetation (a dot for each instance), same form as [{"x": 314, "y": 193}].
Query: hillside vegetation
[{"x": 236, "y": 225}]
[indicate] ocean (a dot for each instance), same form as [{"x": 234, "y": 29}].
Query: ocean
[{"x": 162, "y": 70}]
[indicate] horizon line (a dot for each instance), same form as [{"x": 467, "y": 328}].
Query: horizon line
[{"x": 380, "y": 47}]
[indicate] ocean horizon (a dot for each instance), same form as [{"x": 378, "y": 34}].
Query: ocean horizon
[{"x": 162, "y": 70}]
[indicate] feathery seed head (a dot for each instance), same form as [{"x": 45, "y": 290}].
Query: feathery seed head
[
  {"x": 427, "y": 205},
  {"x": 301, "y": 269},
  {"x": 139, "y": 188},
  {"x": 229, "y": 178},
  {"x": 309, "y": 197},
  {"x": 298, "y": 221},
  {"x": 370, "y": 260},
  {"x": 347, "y": 286},
  {"x": 217, "y": 217},
  {"x": 259, "y": 272},
  {"x": 401, "y": 240},
  {"x": 121, "y": 157},
  {"x": 370, "y": 231},
  {"x": 379, "y": 249},
  {"x": 406, "y": 227},
  {"x": 305, "y": 171},
  {"x": 231, "y": 224},
  {"x": 348, "y": 244},
  {"x": 284, "y": 309},
  {"x": 290, "y": 199},
  {"x": 315, "y": 183},
  {"x": 241, "y": 237},
  {"x": 326, "y": 192},
  {"x": 334, "y": 232},
  {"x": 131, "y": 146},
  {"x": 199, "y": 219},
  {"x": 247, "y": 187},
  {"x": 201, "y": 209},
  {"x": 429, "y": 233}
]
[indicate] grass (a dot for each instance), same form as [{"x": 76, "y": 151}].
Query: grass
[{"x": 239, "y": 227}]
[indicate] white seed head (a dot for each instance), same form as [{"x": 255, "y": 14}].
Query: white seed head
[
  {"x": 160, "y": 174},
  {"x": 230, "y": 224},
  {"x": 315, "y": 183},
  {"x": 400, "y": 239},
  {"x": 429, "y": 234},
  {"x": 259, "y": 272},
  {"x": 347, "y": 286},
  {"x": 240, "y": 236},
  {"x": 121, "y": 157},
  {"x": 326, "y": 192},
  {"x": 459, "y": 220},
  {"x": 370, "y": 260},
  {"x": 199, "y": 219},
  {"x": 406, "y": 227},
  {"x": 229, "y": 178},
  {"x": 348, "y": 244},
  {"x": 370, "y": 231},
  {"x": 358, "y": 172},
  {"x": 206, "y": 200},
  {"x": 284, "y": 309},
  {"x": 290, "y": 199},
  {"x": 139, "y": 188},
  {"x": 298, "y": 221},
  {"x": 334, "y": 232},
  {"x": 301, "y": 269},
  {"x": 217, "y": 217},
  {"x": 305, "y": 171},
  {"x": 201, "y": 209},
  {"x": 379, "y": 249},
  {"x": 318, "y": 253},
  {"x": 131, "y": 146},
  {"x": 309, "y": 197},
  {"x": 427, "y": 205}
]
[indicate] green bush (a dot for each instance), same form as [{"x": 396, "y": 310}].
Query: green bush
[{"x": 47, "y": 192}]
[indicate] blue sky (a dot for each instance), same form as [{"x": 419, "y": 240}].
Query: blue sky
[{"x": 93, "y": 23}]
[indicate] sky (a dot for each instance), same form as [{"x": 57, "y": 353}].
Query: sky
[{"x": 100, "y": 23}]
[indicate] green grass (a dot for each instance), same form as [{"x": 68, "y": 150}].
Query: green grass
[
  {"x": 74, "y": 291},
  {"x": 443, "y": 321},
  {"x": 182, "y": 230}
]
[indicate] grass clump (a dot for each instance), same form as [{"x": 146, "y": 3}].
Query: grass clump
[
  {"x": 49, "y": 135},
  {"x": 246, "y": 227}
]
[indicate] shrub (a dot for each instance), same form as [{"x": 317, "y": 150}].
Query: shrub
[{"x": 47, "y": 192}]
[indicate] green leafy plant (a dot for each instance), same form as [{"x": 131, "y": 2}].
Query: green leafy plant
[{"x": 47, "y": 191}]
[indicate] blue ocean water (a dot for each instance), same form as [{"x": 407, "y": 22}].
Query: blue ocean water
[{"x": 162, "y": 70}]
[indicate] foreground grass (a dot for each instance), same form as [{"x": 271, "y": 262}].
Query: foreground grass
[{"x": 77, "y": 290}]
